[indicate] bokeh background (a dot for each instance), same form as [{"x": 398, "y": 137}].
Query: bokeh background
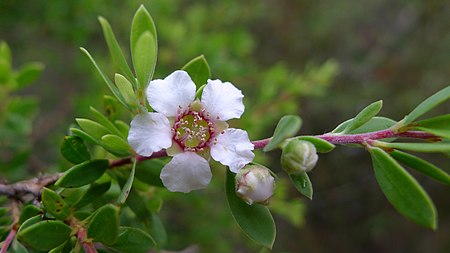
[{"x": 324, "y": 60}]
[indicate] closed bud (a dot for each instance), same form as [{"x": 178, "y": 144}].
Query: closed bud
[
  {"x": 299, "y": 156},
  {"x": 255, "y": 184}
]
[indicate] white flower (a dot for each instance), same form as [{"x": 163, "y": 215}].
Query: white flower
[
  {"x": 191, "y": 130},
  {"x": 255, "y": 184}
]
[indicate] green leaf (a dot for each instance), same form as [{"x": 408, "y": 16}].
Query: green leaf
[
  {"x": 30, "y": 221},
  {"x": 108, "y": 82},
  {"x": 123, "y": 127},
  {"x": 28, "y": 212},
  {"x": 302, "y": 184},
  {"x": 422, "y": 166},
  {"x": 364, "y": 116},
  {"x": 83, "y": 135},
  {"x": 92, "y": 128},
  {"x": 418, "y": 147},
  {"x": 28, "y": 74},
  {"x": 5, "y": 52},
  {"x": 102, "y": 119},
  {"x": 114, "y": 48},
  {"x": 126, "y": 89},
  {"x": 144, "y": 59},
  {"x": 127, "y": 187},
  {"x": 116, "y": 143},
  {"x": 439, "y": 126},
  {"x": 427, "y": 105},
  {"x": 255, "y": 220},
  {"x": 143, "y": 23},
  {"x": 287, "y": 127},
  {"x": 45, "y": 235},
  {"x": 54, "y": 204},
  {"x": 74, "y": 150},
  {"x": 374, "y": 124},
  {"x": 133, "y": 240},
  {"x": 402, "y": 190},
  {"x": 198, "y": 69},
  {"x": 94, "y": 192},
  {"x": 104, "y": 225},
  {"x": 322, "y": 146},
  {"x": 83, "y": 173},
  {"x": 148, "y": 172}
]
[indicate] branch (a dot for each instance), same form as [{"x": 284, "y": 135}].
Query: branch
[{"x": 32, "y": 186}]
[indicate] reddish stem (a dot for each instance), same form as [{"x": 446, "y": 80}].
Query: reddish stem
[
  {"x": 9, "y": 239},
  {"x": 88, "y": 246}
]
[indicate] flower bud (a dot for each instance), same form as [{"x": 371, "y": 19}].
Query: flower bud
[
  {"x": 299, "y": 156},
  {"x": 255, "y": 184}
]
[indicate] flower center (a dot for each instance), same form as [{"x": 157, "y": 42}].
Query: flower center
[{"x": 192, "y": 131}]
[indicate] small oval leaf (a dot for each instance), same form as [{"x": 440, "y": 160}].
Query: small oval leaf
[
  {"x": 302, "y": 184},
  {"x": 74, "y": 150},
  {"x": 144, "y": 58},
  {"x": 45, "y": 235},
  {"x": 322, "y": 146},
  {"x": 364, "y": 116},
  {"x": 29, "y": 211},
  {"x": 198, "y": 69},
  {"x": 418, "y": 147},
  {"x": 255, "y": 220},
  {"x": 374, "y": 124},
  {"x": 54, "y": 204},
  {"x": 402, "y": 190},
  {"x": 116, "y": 143},
  {"x": 92, "y": 128},
  {"x": 133, "y": 240},
  {"x": 287, "y": 127},
  {"x": 83, "y": 173},
  {"x": 104, "y": 225},
  {"x": 439, "y": 126},
  {"x": 148, "y": 172},
  {"x": 127, "y": 187}
]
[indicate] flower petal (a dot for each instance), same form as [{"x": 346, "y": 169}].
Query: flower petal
[
  {"x": 186, "y": 172},
  {"x": 233, "y": 148},
  {"x": 149, "y": 132},
  {"x": 222, "y": 100},
  {"x": 166, "y": 96}
]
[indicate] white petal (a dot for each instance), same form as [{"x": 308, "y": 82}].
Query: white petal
[
  {"x": 149, "y": 132},
  {"x": 186, "y": 172},
  {"x": 222, "y": 100},
  {"x": 233, "y": 148},
  {"x": 166, "y": 96}
]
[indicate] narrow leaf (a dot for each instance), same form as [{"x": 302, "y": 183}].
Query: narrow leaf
[
  {"x": 255, "y": 220},
  {"x": 322, "y": 146},
  {"x": 198, "y": 69},
  {"x": 54, "y": 204},
  {"x": 126, "y": 89},
  {"x": 29, "y": 211},
  {"x": 144, "y": 59},
  {"x": 427, "y": 105},
  {"x": 74, "y": 150},
  {"x": 110, "y": 84},
  {"x": 102, "y": 119},
  {"x": 83, "y": 135},
  {"x": 45, "y": 235},
  {"x": 116, "y": 143},
  {"x": 127, "y": 187},
  {"x": 93, "y": 128},
  {"x": 114, "y": 48},
  {"x": 439, "y": 126},
  {"x": 402, "y": 190},
  {"x": 422, "y": 166},
  {"x": 28, "y": 74},
  {"x": 302, "y": 184},
  {"x": 364, "y": 116},
  {"x": 374, "y": 124},
  {"x": 418, "y": 147},
  {"x": 104, "y": 225},
  {"x": 133, "y": 240},
  {"x": 83, "y": 173},
  {"x": 5, "y": 52},
  {"x": 287, "y": 127}
]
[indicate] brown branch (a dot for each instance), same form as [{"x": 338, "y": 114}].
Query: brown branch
[{"x": 32, "y": 186}]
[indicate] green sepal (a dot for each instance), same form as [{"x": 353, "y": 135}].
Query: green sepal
[
  {"x": 198, "y": 69},
  {"x": 94, "y": 192},
  {"x": 302, "y": 184},
  {"x": 29, "y": 211},
  {"x": 45, "y": 235},
  {"x": 28, "y": 74},
  {"x": 114, "y": 48},
  {"x": 254, "y": 220},
  {"x": 104, "y": 225},
  {"x": 83, "y": 173},
  {"x": 74, "y": 150},
  {"x": 421, "y": 166},
  {"x": 127, "y": 187},
  {"x": 287, "y": 127},
  {"x": 428, "y": 104},
  {"x": 363, "y": 117},
  {"x": 439, "y": 126},
  {"x": 55, "y": 205},
  {"x": 133, "y": 240},
  {"x": 322, "y": 146},
  {"x": 402, "y": 190}
]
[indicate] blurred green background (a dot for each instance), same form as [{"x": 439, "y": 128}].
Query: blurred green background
[{"x": 324, "y": 60}]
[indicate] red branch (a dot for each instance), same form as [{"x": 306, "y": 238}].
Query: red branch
[
  {"x": 88, "y": 246},
  {"x": 8, "y": 240}
]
